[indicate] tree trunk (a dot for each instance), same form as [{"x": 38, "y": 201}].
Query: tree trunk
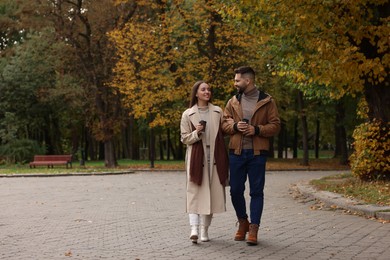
[
  {"x": 168, "y": 144},
  {"x": 134, "y": 140},
  {"x": 52, "y": 135},
  {"x": 152, "y": 148},
  {"x": 161, "y": 147},
  {"x": 172, "y": 148},
  {"x": 125, "y": 140},
  {"x": 109, "y": 151},
  {"x": 89, "y": 145},
  {"x": 378, "y": 100},
  {"x": 281, "y": 139},
  {"x": 179, "y": 149},
  {"x": 317, "y": 139},
  {"x": 341, "y": 150},
  {"x": 102, "y": 151},
  {"x": 76, "y": 139},
  {"x": 378, "y": 95},
  {"x": 271, "y": 148},
  {"x": 305, "y": 132},
  {"x": 295, "y": 141},
  {"x": 48, "y": 144},
  {"x": 109, "y": 154}
]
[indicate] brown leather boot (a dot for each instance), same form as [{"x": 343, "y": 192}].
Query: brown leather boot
[
  {"x": 252, "y": 236},
  {"x": 243, "y": 227}
]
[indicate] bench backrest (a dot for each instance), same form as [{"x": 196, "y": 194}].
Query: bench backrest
[{"x": 41, "y": 158}]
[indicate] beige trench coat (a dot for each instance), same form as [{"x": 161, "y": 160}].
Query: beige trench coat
[{"x": 209, "y": 197}]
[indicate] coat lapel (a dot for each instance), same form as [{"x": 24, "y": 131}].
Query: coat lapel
[{"x": 194, "y": 115}]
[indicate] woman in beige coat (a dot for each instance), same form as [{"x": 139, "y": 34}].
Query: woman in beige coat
[{"x": 206, "y": 160}]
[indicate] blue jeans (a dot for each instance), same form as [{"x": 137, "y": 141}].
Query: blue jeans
[{"x": 252, "y": 166}]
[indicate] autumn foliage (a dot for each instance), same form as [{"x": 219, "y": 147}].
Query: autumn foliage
[
  {"x": 331, "y": 49},
  {"x": 371, "y": 158},
  {"x": 113, "y": 69},
  {"x": 169, "y": 45}
]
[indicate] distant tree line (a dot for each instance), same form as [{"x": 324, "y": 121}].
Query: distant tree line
[{"x": 109, "y": 79}]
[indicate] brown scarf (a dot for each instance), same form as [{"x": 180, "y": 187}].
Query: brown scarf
[
  {"x": 196, "y": 161},
  {"x": 221, "y": 160}
]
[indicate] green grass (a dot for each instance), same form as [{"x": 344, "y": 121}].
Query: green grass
[
  {"x": 375, "y": 192},
  {"x": 125, "y": 164},
  {"x": 90, "y": 166}
]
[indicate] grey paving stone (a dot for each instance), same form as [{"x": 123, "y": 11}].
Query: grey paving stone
[{"x": 142, "y": 216}]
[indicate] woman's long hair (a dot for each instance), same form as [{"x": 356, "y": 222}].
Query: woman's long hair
[{"x": 194, "y": 90}]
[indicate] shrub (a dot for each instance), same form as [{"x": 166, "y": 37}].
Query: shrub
[
  {"x": 20, "y": 150},
  {"x": 371, "y": 157}
]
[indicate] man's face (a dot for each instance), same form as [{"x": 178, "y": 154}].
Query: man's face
[{"x": 240, "y": 82}]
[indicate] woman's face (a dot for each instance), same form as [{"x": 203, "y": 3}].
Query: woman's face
[{"x": 204, "y": 92}]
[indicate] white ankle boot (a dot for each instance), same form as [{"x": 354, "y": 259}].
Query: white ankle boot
[
  {"x": 194, "y": 233},
  {"x": 205, "y": 221},
  {"x": 204, "y": 233}
]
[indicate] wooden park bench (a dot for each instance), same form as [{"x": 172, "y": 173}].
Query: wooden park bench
[{"x": 51, "y": 160}]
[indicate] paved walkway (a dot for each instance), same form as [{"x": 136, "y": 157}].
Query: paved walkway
[{"x": 141, "y": 216}]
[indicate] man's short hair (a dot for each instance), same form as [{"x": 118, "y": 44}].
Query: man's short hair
[{"x": 245, "y": 70}]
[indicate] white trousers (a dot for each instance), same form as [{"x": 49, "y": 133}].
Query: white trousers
[{"x": 197, "y": 219}]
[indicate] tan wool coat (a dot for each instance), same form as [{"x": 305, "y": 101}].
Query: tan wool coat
[{"x": 209, "y": 197}]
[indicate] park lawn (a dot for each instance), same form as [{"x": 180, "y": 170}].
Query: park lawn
[
  {"x": 125, "y": 164},
  {"x": 374, "y": 192},
  {"x": 322, "y": 164},
  {"x": 90, "y": 166}
]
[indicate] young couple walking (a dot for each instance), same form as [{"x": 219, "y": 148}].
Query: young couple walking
[{"x": 250, "y": 119}]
